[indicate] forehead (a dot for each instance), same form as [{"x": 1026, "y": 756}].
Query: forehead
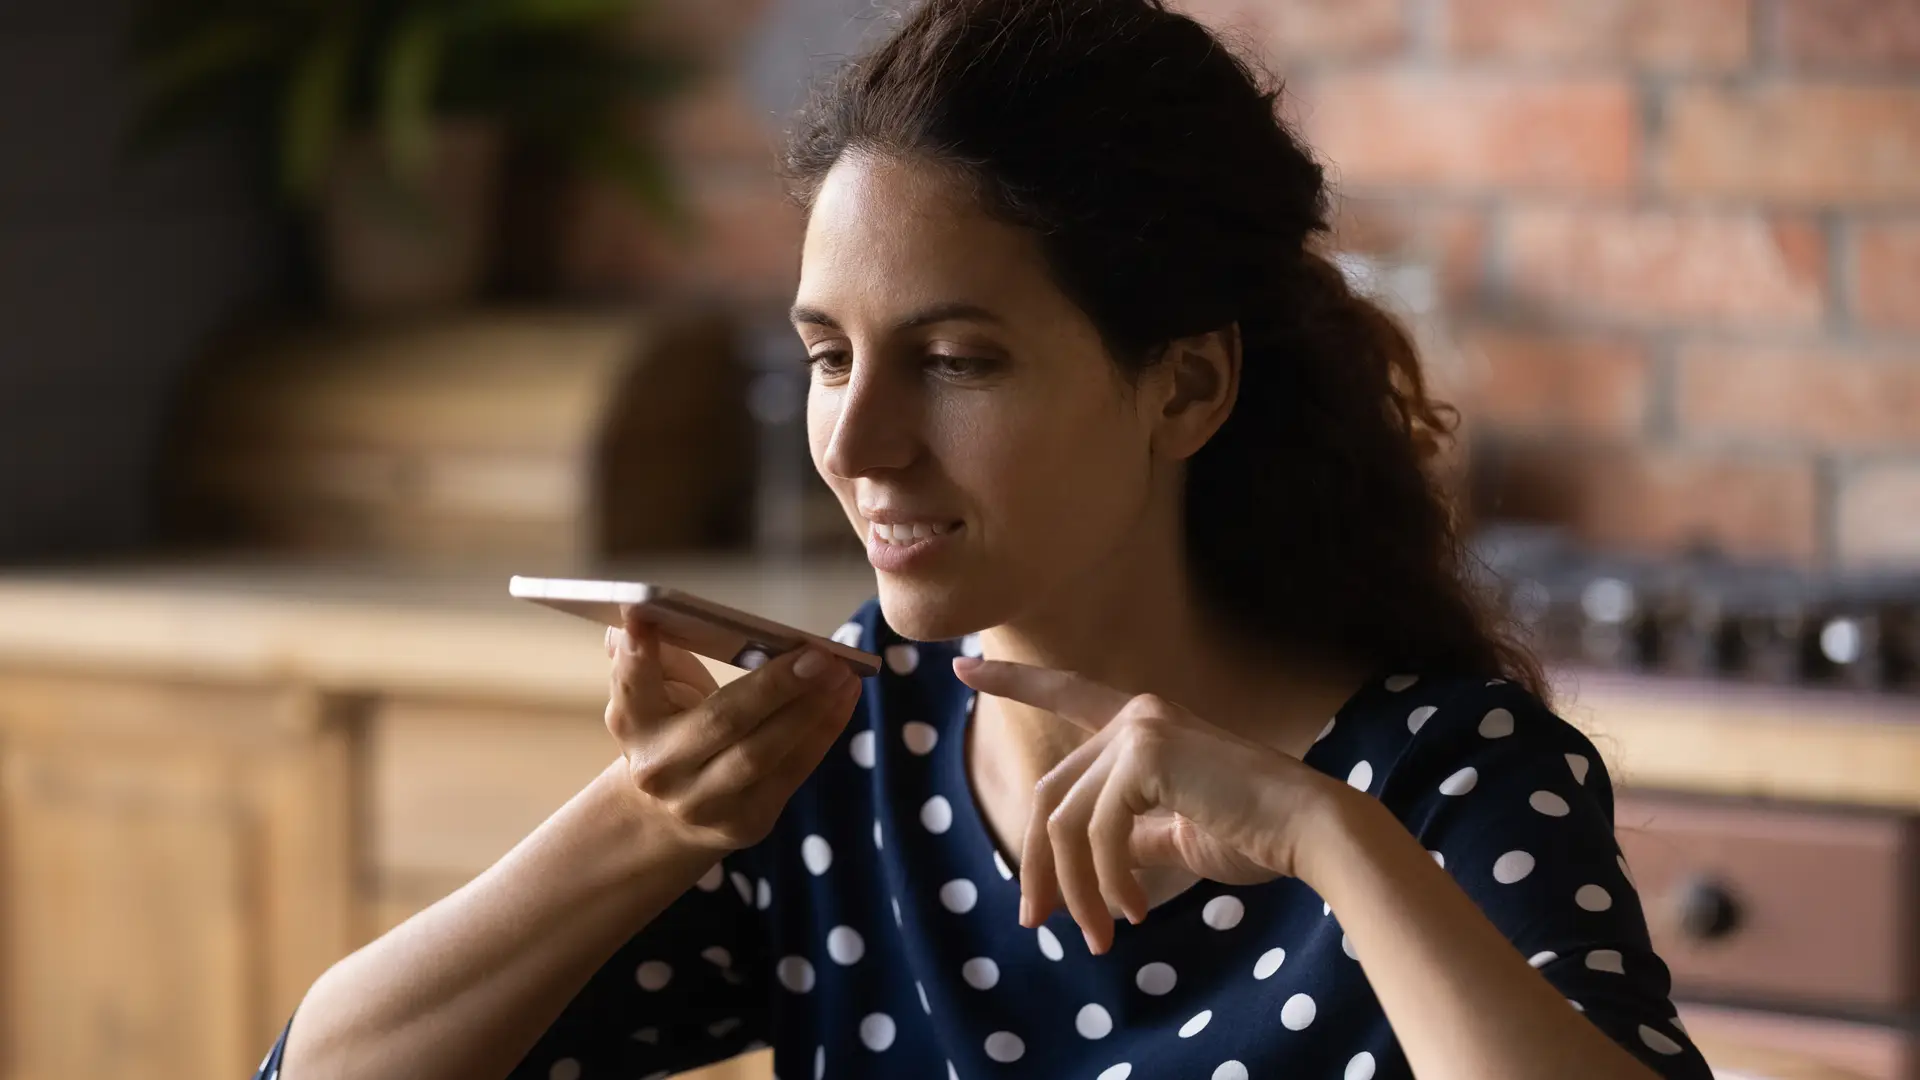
[{"x": 885, "y": 234}]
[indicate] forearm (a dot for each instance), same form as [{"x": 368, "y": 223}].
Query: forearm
[
  {"x": 1463, "y": 1003},
  {"x": 465, "y": 987}
]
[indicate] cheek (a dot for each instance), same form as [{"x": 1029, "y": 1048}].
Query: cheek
[{"x": 1050, "y": 474}]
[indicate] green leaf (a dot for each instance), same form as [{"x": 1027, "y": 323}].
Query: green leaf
[
  {"x": 314, "y": 109},
  {"x": 412, "y": 72}
]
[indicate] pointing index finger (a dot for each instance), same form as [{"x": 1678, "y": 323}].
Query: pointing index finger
[{"x": 1078, "y": 700}]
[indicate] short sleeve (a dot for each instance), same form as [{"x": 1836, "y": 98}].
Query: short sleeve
[
  {"x": 1516, "y": 804},
  {"x": 688, "y": 990}
]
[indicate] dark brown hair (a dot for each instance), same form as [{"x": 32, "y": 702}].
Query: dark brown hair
[{"x": 1170, "y": 200}]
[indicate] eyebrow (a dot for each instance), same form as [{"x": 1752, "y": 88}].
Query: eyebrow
[{"x": 948, "y": 312}]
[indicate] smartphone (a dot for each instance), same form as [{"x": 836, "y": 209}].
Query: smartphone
[{"x": 691, "y": 622}]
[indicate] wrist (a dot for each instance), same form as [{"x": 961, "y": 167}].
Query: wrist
[
  {"x": 655, "y": 843},
  {"x": 1335, "y": 827}
]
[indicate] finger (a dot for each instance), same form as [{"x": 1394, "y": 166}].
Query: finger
[
  {"x": 1068, "y": 830},
  {"x": 636, "y": 685},
  {"x": 1081, "y": 701},
  {"x": 675, "y": 662},
  {"x": 774, "y": 759},
  {"x": 1039, "y": 890},
  {"x": 678, "y": 751},
  {"x": 1110, "y": 837}
]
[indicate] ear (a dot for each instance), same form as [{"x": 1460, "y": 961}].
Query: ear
[{"x": 1194, "y": 385}]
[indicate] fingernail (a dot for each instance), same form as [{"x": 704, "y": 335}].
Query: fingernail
[
  {"x": 609, "y": 641},
  {"x": 814, "y": 664},
  {"x": 964, "y": 664},
  {"x": 1093, "y": 944},
  {"x": 1026, "y": 912}
]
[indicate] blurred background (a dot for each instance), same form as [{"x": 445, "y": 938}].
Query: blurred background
[{"x": 323, "y": 318}]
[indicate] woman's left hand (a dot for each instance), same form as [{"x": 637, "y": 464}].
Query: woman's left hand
[{"x": 1154, "y": 786}]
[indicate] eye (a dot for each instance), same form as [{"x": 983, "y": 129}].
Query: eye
[
  {"x": 960, "y": 367},
  {"x": 828, "y": 361}
]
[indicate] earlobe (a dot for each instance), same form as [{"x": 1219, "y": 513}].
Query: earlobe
[{"x": 1204, "y": 372}]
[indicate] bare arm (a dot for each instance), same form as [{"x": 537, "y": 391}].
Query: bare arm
[{"x": 464, "y": 988}]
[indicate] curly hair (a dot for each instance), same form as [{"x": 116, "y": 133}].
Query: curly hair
[{"x": 1169, "y": 200}]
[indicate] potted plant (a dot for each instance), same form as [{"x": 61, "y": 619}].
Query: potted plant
[{"x": 387, "y": 120}]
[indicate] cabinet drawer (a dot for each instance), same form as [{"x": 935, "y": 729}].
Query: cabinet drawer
[
  {"x": 1776, "y": 902},
  {"x": 1772, "y": 1046},
  {"x": 453, "y": 787}
]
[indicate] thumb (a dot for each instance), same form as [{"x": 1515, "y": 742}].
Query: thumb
[{"x": 649, "y": 687}]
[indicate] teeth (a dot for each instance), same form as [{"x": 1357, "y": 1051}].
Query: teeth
[{"x": 907, "y": 534}]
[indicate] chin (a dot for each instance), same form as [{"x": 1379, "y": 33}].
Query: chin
[{"x": 922, "y": 610}]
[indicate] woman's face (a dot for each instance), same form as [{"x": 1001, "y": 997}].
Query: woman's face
[{"x": 959, "y": 396}]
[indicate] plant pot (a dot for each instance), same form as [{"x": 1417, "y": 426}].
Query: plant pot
[{"x": 390, "y": 248}]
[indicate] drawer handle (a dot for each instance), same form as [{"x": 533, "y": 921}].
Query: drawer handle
[{"x": 1707, "y": 911}]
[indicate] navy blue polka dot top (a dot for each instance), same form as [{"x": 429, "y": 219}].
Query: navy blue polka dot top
[{"x": 874, "y": 933}]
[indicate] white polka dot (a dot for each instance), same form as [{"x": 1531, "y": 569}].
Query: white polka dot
[
  {"x": 1326, "y": 908},
  {"x": 1325, "y": 731},
  {"x": 1606, "y": 960},
  {"x": 845, "y": 945},
  {"x": 861, "y": 747},
  {"x": 951, "y": 1075},
  {"x": 925, "y": 1005},
  {"x": 876, "y": 1031},
  {"x": 1223, "y": 912},
  {"x": 1577, "y": 1007},
  {"x": 717, "y": 956},
  {"x": 1196, "y": 1025},
  {"x": 1549, "y": 804},
  {"x": 1230, "y": 1070},
  {"x": 1092, "y": 1022},
  {"x": 981, "y": 973},
  {"x": 719, "y": 1029},
  {"x": 1418, "y": 718},
  {"x": 848, "y": 634},
  {"x": 1461, "y": 782},
  {"x": 970, "y": 645},
  {"x": 1361, "y": 777},
  {"x": 1000, "y": 864},
  {"x": 1361, "y": 1067},
  {"x": 711, "y": 880},
  {"x": 937, "y": 814},
  {"x": 1678, "y": 1025},
  {"x": 1593, "y": 898},
  {"x": 973, "y": 700},
  {"x": 1659, "y": 1043},
  {"x": 653, "y": 975},
  {"x": 919, "y": 737},
  {"x": 1049, "y": 945},
  {"x": 1542, "y": 959},
  {"x": 1346, "y": 946},
  {"x": 876, "y": 835},
  {"x": 959, "y": 896},
  {"x": 1497, "y": 724},
  {"x": 795, "y": 973},
  {"x": 742, "y": 886},
  {"x": 1579, "y": 765},
  {"x": 819, "y": 1062},
  {"x": 1297, "y": 1013},
  {"x": 896, "y": 910},
  {"x": 1005, "y": 1046},
  {"x": 647, "y": 1035},
  {"x": 903, "y": 658},
  {"x": 763, "y": 894},
  {"x": 1438, "y": 859},
  {"x": 1624, "y": 872},
  {"x": 817, "y": 854},
  {"x": 1397, "y": 683},
  {"x": 1269, "y": 963},
  {"x": 1511, "y": 867},
  {"x": 1116, "y": 1072},
  {"x": 1156, "y": 978},
  {"x": 569, "y": 1069}
]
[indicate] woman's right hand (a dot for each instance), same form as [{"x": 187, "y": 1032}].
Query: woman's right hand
[{"x": 720, "y": 762}]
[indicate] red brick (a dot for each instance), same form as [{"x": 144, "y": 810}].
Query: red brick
[
  {"x": 1850, "y": 34},
  {"x": 1473, "y": 131},
  {"x": 1541, "y": 381},
  {"x": 1308, "y": 29},
  {"x": 1886, "y": 274},
  {"x": 1452, "y": 239},
  {"x": 1877, "y": 515},
  {"x": 1825, "y": 396},
  {"x": 1794, "y": 141},
  {"x": 746, "y": 244},
  {"x": 1654, "y": 267},
  {"x": 1653, "y": 499},
  {"x": 1671, "y": 34}
]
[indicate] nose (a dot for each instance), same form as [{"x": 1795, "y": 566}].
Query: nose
[{"x": 871, "y": 422}]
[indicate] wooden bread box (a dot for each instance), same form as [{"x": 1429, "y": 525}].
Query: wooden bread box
[{"x": 565, "y": 436}]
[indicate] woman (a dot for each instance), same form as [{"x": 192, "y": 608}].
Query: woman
[{"x": 1101, "y": 413}]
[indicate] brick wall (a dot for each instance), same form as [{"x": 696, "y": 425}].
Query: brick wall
[{"x": 1678, "y": 243}]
